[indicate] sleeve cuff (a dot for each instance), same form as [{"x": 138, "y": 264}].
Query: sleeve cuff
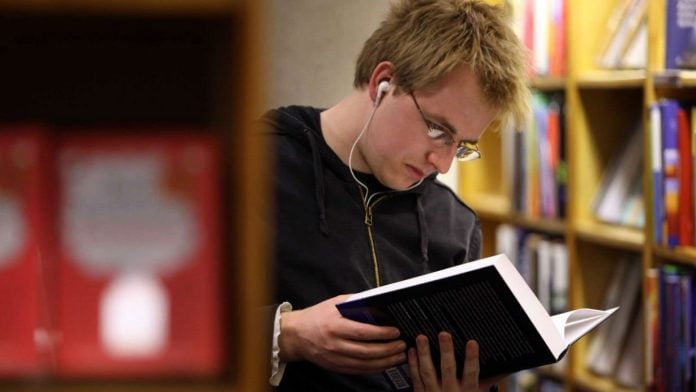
[{"x": 277, "y": 367}]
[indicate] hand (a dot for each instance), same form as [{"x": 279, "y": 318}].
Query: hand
[
  {"x": 320, "y": 334},
  {"x": 424, "y": 376}
]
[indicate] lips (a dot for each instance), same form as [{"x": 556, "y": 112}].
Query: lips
[{"x": 415, "y": 172}]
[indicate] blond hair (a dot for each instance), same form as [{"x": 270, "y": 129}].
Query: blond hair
[{"x": 426, "y": 39}]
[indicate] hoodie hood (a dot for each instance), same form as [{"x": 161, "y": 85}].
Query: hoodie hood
[{"x": 303, "y": 124}]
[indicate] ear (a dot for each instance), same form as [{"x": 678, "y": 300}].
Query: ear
[{"x": 384, "y": 71}]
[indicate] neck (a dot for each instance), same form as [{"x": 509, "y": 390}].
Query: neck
[{"x": 341, "y": 124}]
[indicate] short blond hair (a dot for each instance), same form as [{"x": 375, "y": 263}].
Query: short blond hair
[{"x": 426, "y": 39}]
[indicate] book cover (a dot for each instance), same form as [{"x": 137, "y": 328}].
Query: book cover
[
  {"x": 486, "y": 300},
  {"x": 26, "y": 312},
  {"x": 680, "y": 45},
  {"x": 139, "y": 292}
]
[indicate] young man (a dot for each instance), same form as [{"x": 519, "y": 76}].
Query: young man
[{"x": 357, "y": 203}]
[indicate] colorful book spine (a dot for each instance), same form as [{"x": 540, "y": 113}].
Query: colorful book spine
[{"x": 670, "y": 154}]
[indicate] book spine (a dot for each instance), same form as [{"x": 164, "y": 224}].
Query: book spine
[
  {"x": 686, "y": 227},
  {"x": 656, "y": 165},
  {"x": 670, "y": 151}
]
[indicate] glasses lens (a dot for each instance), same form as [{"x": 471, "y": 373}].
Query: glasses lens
[{"x": 468, "y": 153}]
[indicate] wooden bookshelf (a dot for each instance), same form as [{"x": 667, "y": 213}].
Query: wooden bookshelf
[
  {"x": 202, "y": 61},
  {"x": 602, "y": 108}
]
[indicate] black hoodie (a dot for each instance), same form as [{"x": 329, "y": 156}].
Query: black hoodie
[{"x": 328, "y": 243}]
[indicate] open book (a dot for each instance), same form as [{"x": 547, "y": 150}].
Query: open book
[{"x": 486, "y": 300}]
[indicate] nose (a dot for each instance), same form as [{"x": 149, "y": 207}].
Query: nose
[{"x": 441, "y": 159}]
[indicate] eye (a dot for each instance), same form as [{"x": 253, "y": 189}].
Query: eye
[
  {"x": 439, "y": 134},
  {"x": 435, "y": 132}
]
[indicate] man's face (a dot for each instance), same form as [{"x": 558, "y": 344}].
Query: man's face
[{"x": 398, "y": 148}]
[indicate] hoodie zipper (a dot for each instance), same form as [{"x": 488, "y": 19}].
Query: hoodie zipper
[{"x": 373, "y": 249}]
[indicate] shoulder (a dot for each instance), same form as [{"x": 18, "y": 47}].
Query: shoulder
[
  {"x": 290, "y": 120},
  {"x": 439, "y": 196}
]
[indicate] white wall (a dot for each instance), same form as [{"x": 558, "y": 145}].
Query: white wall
[{"x": 313, "y": 45}]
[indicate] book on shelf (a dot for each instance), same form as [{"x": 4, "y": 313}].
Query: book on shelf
[
  {"x": 538, "y": 167},
  {"x": 624, "y": 30},
  {"x": 486, "y": 300},
  {"x": 670, "y": 334},
  {"x": 692, "y": 154},
  {"x": 629, "y": 369},
  {"x": 656, "y": 169},
  {"x": 680, "y": 35},
  {"x": 607, "y": 344},
  {"x": 685, "y": 209},
  {"x": 541, "y": 26},
  {"x": 619, "y": 198},
  {"x": 670, "y": 170},
  {"x": 636, "y": 52},
  {"x": 676, "y": 332},
  {"x": 139, "y": 255},
  {"x": 27, "y": 316}
]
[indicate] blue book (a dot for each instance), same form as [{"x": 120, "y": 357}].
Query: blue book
[
  {"x": 680, "y": 47},
  {"x": 670, "y": 169},
  {"x": 656, "y": 158}
]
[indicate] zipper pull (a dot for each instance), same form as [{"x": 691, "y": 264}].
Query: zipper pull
[{"x": 368, "y": 216}]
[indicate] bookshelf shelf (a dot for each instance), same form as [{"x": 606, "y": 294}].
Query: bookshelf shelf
[
  {"x": 550, "y": 372},
  {"x": 492, "y": 206},
  {"x": 555, "y": 227},
  {"x": 548, "y": 226},
  {"x": 592, "y": 382},
  {"x": 627, "y": 238},
  {"x": 674, "y": 79},
  {"x": 548, "y": 84},
  {"x": 685, "y": 255},
  {"x": 611, "y": 79}
]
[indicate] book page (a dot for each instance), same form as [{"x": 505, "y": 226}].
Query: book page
[{"x": 575, "y": 324}]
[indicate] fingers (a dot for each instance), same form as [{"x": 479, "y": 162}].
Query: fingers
[
  {"x": 448, "y": 363},
  {"x": 371, "y": 350},
  {"x": 354, "y": 330},
  {"x": 426, "y": 367},
  {"x": 423, "y": 372},
  {"x": 350, "y": 365},
  {"x": 470, "y": 377},
  {"x": 319, "y": 334},
  {"x": 414, "y": 369}
]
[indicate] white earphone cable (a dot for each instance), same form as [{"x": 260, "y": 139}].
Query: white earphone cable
[{"x": 367, "y": 197}]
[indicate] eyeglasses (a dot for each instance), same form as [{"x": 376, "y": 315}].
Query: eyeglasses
[{"x": 442, "y": 137}]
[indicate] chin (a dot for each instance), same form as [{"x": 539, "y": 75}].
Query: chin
[{"x": 404, "y": 186}]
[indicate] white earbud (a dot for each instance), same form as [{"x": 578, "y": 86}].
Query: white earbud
[{"x": 382, "y": 88}]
